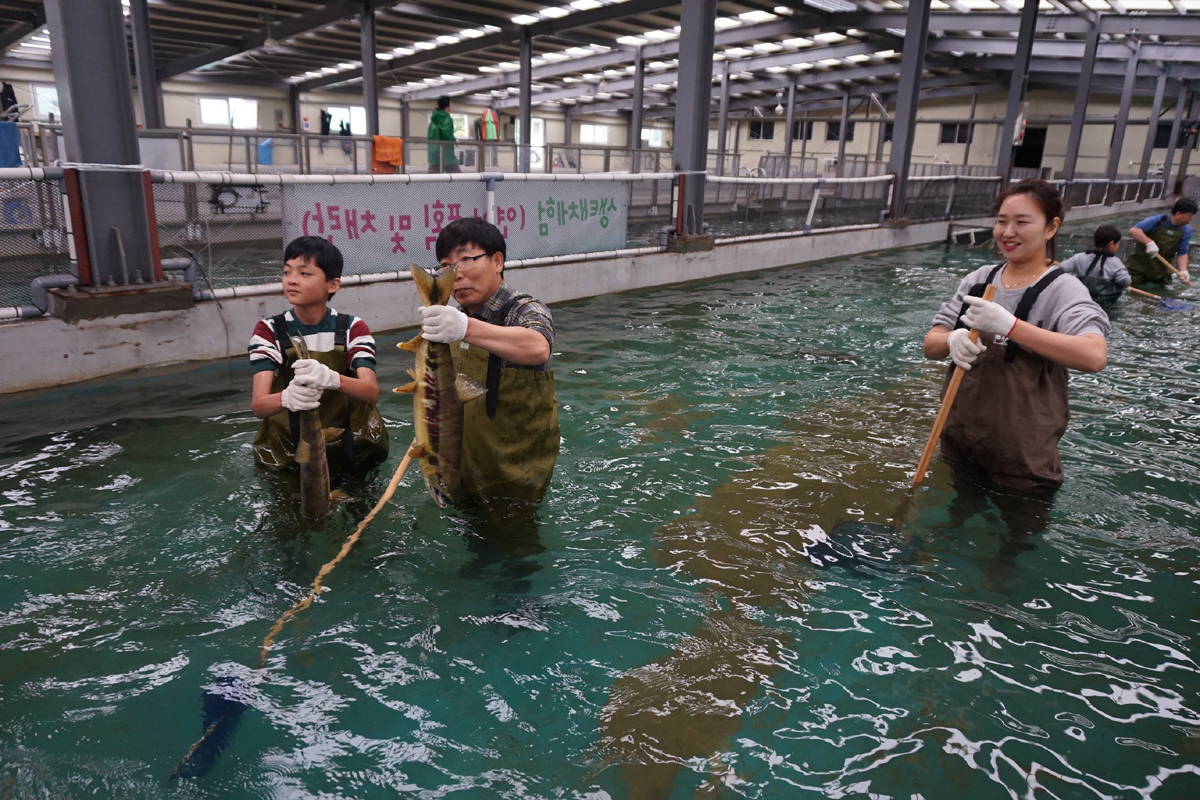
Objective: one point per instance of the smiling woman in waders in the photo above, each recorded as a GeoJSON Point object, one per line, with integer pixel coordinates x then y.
{"type": "Point", "coordinates": [1003, 430]}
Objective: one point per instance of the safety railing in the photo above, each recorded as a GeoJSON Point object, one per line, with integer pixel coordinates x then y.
{"type": "Point", "coordinates": [1084, 192]}
{"type": "Point", "coordinates": [769, 208]}
{"type": "Point", "coordinates": [954, 196]}
{"type": "Point", "coordinates": [584, 158]}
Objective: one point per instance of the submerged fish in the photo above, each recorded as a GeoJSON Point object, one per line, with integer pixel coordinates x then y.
{"type": "Point", "coordinates": [316, 497]}
{"type": "Point", "coordinates": [224, 704]}
{"type": "Point", "coordinates": [439, 392]}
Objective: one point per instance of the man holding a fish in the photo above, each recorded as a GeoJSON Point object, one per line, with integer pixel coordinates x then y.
{"type": "Point", "coordinates": [501, 340]}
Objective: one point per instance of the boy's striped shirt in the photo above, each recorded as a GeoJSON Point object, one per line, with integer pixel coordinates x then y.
{"type": "Point", "coordinates": [360, 345]}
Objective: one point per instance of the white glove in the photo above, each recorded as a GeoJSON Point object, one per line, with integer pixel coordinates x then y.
{"type": "Point", "coordinates": [314, 372]}
{"type": "Point", "coordinates": [1152, 248]}
{"type": "Point", "coordinates": [1184, 275]}
{"type": "Point", "coordinates": [988, 317]}
{"type": "Point", "coordinates": [300, 396]}
{"type": "Point", "coordinates": [443, 324]}
{"type": "Point", "coordinates": [963, 351]}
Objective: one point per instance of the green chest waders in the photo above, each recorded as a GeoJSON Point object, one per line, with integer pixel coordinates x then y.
{"type": "Point", "coordinates": [510, 436]}
{"type": "Point", "coordinates": [1143, 267]}
{"type": "Point", "coordinates": [365, 440]}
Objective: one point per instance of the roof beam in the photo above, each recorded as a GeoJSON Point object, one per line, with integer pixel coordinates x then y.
{"type": "Point", "coordinates": [789, 26]}
{"type": "Point", "coordinates": [1126, 24]}
{"type": "Point", "coordinates": [19, 30]}
{"type": "Point", "coordinates": [1070, 49]}
{"type": "Point", "coordinates": [547, 27]}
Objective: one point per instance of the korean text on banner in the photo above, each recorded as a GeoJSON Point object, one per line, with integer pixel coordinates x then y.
{"type": "Point", "coordinates": [540, 219]}
{"type": "Point", "coordinates": [380, 227]}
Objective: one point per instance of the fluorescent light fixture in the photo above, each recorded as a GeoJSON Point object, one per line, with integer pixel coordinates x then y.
{"type": "Point", "coordinates": [470, 33]}
{"type": "Point", "coordinates": [555, 56]}
{"type": "Point", "coordinates": [448, 39]}
{"type": "Point", "coordinates": [585, 5]}
{"type": "Point", "coordinates": [738, 52]}
{"type": "Point", "coordinates": [524, 19]}
{"type": "Point", "coordinates": [386, 56]}
{"type": "Point", "coordinates": [632, 41]}
{"type": "Point", "coordinates": [555, 12]}
{"type": "Point", "coordinates": [577, 51]}
{"type": "Point", "coordinates": [490, 69]}
{"type": "Point", "coordinates": [723, 23]}
{"type": "Point", "coordinates": [830, 62]}
{"type": "Point", "coordinates": [402, 51]}
{"type": "Point", "coordinates": [1100, 5]}
{"type": "Point", "coordinates": [885, 54]}
{"type": "Point", "coordinates": [798, 42]}
{"type": "Point", "coordinates": [348, 65]}
{"type": "Point", "coordinates": [661, 36]}
{"type": "Point", "coordinates": [425, 45]}
{"type": "Point", "coordinates": [328, 70]}
{"type": "Point", "coordinates": [767, 47]}
{"type": "Point", "coordinates": [757, 16]}
{"type": "Point", "coordinates": [830, 37]}
{"type": "Point", "coordinates": [858, 59]}
{"type": "Point", "coordinates": [776, 69]}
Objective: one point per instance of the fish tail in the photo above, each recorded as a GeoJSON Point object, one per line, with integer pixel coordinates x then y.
{"type": "Point", "coordinates": [425, 283]}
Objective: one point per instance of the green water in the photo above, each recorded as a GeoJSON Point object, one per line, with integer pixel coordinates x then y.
{"type": "Point", "coordinates": [656, 630]}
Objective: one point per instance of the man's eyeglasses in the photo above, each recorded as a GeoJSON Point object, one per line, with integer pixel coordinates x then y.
{"type": "Point", "coordinates": [464, 260]}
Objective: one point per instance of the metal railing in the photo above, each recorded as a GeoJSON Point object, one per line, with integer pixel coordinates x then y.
{"type": "Point", "coordinates": [767, 208]}
{"type": "Point", "coordinates": [952, 196]}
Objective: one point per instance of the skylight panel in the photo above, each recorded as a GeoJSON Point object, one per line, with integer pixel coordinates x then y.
{"type": "Point", "coordinates": [402, 51]}
{"type": "Point", "coordinates": [524, 19]}
{"type": "Point", "coordinates": [834, 5]}
{"type": "Point", "coordinates": [585, 5]}
{"type": "Point", "coordinates": [798, 42]}
{"type": "Point", "coordinates": [1147, 5]}
{"type": "Point", "coordinates": [578, 51]}
{"type": "Point", "coordinates": [555, 56]}
{"type": "Point", "coordinates": [555, 12]}
{"type": "Point", "coordinates": [660, 36]}
{"type": "Point", "coordinates": [776, 69]}
{"type": "Point", "coordinates": [757, 16]}
{"type": "Point", "coordinates": [767, 47]}
{"type": "Point", "coordinates": [1098, 5]}
{"type": "Point", "coordinates": [724, 23]}
{"type": "Point", "coordinates": [885, 54]}
{"type": "Point", "coordinates": [738, 52]}
{"type": "Point", "coordinates": [980, 5]}
{"type": "Point", "coordinates": [470, 33]}
{"type": "Point", "coordinates": [448, 39]}
{"type": "Point", "coordinates": [632, 41]}
{"type": "Point", "coordinates": [426, 45]}
{"type": "Point", "coordinates": [830, 37]}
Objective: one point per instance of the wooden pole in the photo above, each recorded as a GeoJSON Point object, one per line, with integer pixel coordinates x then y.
{"type": "Point", "coordinates": [1171, 267]}
{"type": "Point", "coordinates": [1144, 293]}
{"type": "Point", "coordinates": [947, 402]}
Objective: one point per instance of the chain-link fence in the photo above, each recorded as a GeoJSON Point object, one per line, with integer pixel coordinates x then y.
{"type": "Point", "coordinates": [950, 196]}
{"type": "Point", "coordinates": [33, 235]}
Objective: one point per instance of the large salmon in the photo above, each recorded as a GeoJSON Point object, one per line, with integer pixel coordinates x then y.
{"type": "Point", "coordinates": [438, 396]}
{"type": "Point", "coordinates": [316, 499]}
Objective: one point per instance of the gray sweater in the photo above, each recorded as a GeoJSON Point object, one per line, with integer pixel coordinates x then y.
{"type": "Point", "coordinates": [1113, 270]}
{"type": "Point", "coordinates": [1064, 307]}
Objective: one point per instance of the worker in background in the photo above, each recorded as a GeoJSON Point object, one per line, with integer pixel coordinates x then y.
{"type": "Point", "coordinates": [1165, 235]}
{"type": "Point", "coordinates": [1099, 269]}
{"type": "Point", "coordinates": [510, 437]}
{"type": "Point", "coordinates": [338, 378]}
{"type": "Point", "coordinates": [441, 129]}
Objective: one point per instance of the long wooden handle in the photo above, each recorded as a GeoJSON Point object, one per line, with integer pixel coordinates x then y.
{"type": "Point", "coordinates": [947, 401]}
{"type": "Point", "coordinates": [1171, 267]}
{"type": "Point", "coordinates": [1144, 293]}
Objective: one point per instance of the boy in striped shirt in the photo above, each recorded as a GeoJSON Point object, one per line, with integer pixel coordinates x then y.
{"type": "Point", "coordinates": [338, 378]}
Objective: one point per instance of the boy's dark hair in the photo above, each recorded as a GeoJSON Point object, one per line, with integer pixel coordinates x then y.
{"type": "Point", "coordinates": [1105, 235]}
{"type": "Point", "coordinates": [468, 231]}
{"type": "Point", "coordinates": [444, 102]}
{"type": "Point", "coordinates": [323, 253]}
{"type": "Point", "coordinates": [1185, 205]}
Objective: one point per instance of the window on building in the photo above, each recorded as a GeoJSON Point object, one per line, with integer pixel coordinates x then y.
{"type": "Point", "coordinates": [355, 116]}
{"type": "Point", "coordinates": [460, 125]}
{"type": "Point", "coordinates": [225, 112]}
{"type": "Point", "coordinates": [833, 131]}
{"type": "Point", "coordinates": [955, 133]}
{"type": "Point", "coordinates": [652, 137]}
{"type": "Point", "coordinates": [888, 129]}
{"type": "Point", "coordinates": [45, 101]}
{"type": "Point", "coordinates": [593, 134]}
{"type": "Point", "coordinates": [802, 130]}
{"type": "Point", "coordinates": [762, 129]}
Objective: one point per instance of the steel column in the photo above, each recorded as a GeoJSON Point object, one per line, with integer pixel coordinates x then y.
{"type": "Point", "coordinates": [91, 71]}
{"type": "Point", "coordinates": [568, 121]}
{"type": "Point", "coordinates": [635, 118]}
{"type": "Point", "coordinates": [525, 108]}
{"type": "Point", "coordinates": [370, 67]}
{"type": "Point", "coordinates": [912, 64]}
{"type": "Point", "coordinates": [1152, 127]}
{"type": "Point", "coordinates": [1016, 88]}
{"type": "Point", "coordinates": [149, 90]}
{"type": "Point", "coordinates": [1176, 124]}
{"type": "Point", "coordinates": [692, 109]}
{"type": "Point", "coordinates": [404, 120]}
{"type": "Point", "coordinates": [1081, 101]}
{"type": "Point", "coordinates": [883, 130]}
{"type": "Point", "coordinates": [845, 124]}
{"type": "Point", "coordinates": [1118, 138]}
{"type": "Point", "coordinates": [1189, 141]}
{"type": "Point", "coordinates": [970, 131]}
{"type": "Point", "coordinates": [723, 119]}
{"type": "Point", "coordinates": [790, 138]}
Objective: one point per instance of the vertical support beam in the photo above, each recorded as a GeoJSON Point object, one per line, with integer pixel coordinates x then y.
{"type": "Point", "coordinates": [1081, 101]}
{"type": "Point", "coordinates": [692, 109]}
{"type": "Point", "coordinates": [1118, 139]}
{"type": "Point", "coordinates": [526, 100]}
{"type": "Point", "coordinates": [91, 71]}
{"type": "Point", "coordinates": [1160, 89]}
{"type": "Point", "coordinates": [297, 124]}
{"type": "Point", "coordinates": [370, 67]}
{"type": "Point", "coordinates": [970, 131]}
{"type": "Point", "coordinates": [912, 64]}
{"type": "Point", "coordinates": [1189, 141]}
{"type": "Point", "coordinates": [842, 130]}
{"type": "Point", "coordinates": [881, 141]}
{"type": "Point", "coordinates": [1016, 87]}
{"type": "Point", "coordinates": [723, 120]}
{"type": "Point", "coordinates": [568, 123]}
{"type": "Point", "coordinates": [805, 127]}
{"type": "Point", "coordinates": [404, 120]}
{"type": "Point", "coordinates": [149, 90]}
{"type": "Point", "coordinates": [1176, 124]}
{"type": "Point", "coordinates": [635, 118]}
{"type": "Point", "coordinates": [790, 138]}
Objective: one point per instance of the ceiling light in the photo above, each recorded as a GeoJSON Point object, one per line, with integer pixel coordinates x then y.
{"type": "Point", "coordinates": [577, 51]}
{"type": "Point", "coordinates": [525, 19]}
{"type": "Point", "coordinates": [425, 45]}
{"type": "Point", "coordinates": [830, 62]}
{"type": "Point", "coordinates": [270, 45]}
{"type": "Point", "coordinates": [554, 12]}
{"type": "Point", "coordinates": [798, 42]}
{"type": "Point", "coordinates": [830, 36]}
{"type": "Point", "coordinates": [585, 5]}
{"type": "Point", "coordinates": [402, 51]}
{"type": "Point", "coordinates": [738, 52]}
{"type": "Point", "coordinates": [723, 23]}
{"type": "Point", "coordinates": [767, 47]}
{"type": "Point", "coordinates": [448, 39]}
{"type": "Point", "coordinates": [631, 41]}
{"type": "Point", "coordinates": [757, 16]}
{"type": "Point", "coordinates": [779, 102]}
{"type": "Point", "coordinates": [386, 56]}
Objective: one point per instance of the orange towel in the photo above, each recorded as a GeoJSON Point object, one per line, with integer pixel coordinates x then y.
{"type": "Point", "coordinates": [387, 153]}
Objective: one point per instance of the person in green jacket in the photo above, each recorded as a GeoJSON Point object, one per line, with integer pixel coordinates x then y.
{"type": "Point", "coordinates": [441, 129]}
